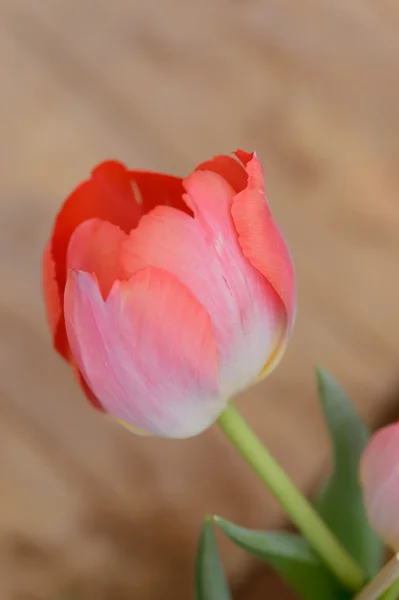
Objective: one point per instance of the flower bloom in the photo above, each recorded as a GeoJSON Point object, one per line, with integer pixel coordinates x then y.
{"type": "Point", "coordinates": [379, 473]}
{"type": "Point", "coordinates": [168, 296]}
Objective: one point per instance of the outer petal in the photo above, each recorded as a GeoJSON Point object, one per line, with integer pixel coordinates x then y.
{"type": "Point", "coordinates": [379, 474]}
{"type": "Point", "coordinates": [260, 238]}
{"type": "Point", "coordinates": [53, 310]}
{"type": "Point", "coordinates": [246, 313]}
{"type": "Point", "coordinates": [95, 248]}
{"type": "Point", "coordinates": [92, 398]}
{"type": "Point", "coordinates": [147, 352]}
{"type": "Point", "coordinates": [50, 289]}
{"type": "Point", "coordinates": [264, 246]}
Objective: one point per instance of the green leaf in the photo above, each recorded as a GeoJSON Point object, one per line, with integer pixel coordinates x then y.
{"type": "Point", "coordinates": [341, 503]}
{"type": "Point", "coordinates": [210, 580]}
{"type": "Point", "coordinates": [291, 556]}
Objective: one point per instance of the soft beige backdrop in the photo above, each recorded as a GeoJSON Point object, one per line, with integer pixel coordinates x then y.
{"type": "Point", "coordinates": [86, 508]}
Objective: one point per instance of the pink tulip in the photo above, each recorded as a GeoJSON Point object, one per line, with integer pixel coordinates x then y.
{"type": "Point", "coordinates": [380, 479]}
{"type": "Point", "coordinates": [168, 296]}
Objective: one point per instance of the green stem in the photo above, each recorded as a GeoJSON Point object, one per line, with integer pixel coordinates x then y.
{"type": "Point", "coordinates": [302, 514]}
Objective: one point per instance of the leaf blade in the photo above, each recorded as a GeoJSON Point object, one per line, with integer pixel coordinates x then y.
{"type": "Point", "coordinates": [291, 556]}
{"type": "Point", "coordinates": [210, 580]}
{"type": "Point", "coordinates": [341, 502]}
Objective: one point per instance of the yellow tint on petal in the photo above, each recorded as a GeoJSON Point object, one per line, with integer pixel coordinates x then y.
{"type": "Point", "coordinates": [133, 429]}
{"type": "Point", "coordinates": [274, 358]}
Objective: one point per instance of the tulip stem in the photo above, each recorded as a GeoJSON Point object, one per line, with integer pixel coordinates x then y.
{"type": "Point", "coordinates": [300, 511]}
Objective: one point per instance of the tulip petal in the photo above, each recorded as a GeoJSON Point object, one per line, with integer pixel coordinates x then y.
{"type": "Point", "coordinates": [94, 401]}
{"type": "Point", "coordinates": [379, 474]}
{"type": "Point", "coordinates": [108, 195]}
{"type": "Point", "coordinates": [50, 290]}
{"type": "Point", "coordinates": [53, 310]}
{"type": "Point", "coordinates": [147, 352]}
{"type": "Point", "coordinates": [230, 168]}
{"type": "Point", "coordinates": [95, 248]}
{"type": "Point", "coordinates": [261, 240]}
{"type": "Point", "coordinates": [244, 157]}
{"type": "Point", "coordinates": [247, 315]}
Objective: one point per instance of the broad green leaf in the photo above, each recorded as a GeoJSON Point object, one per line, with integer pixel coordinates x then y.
{"type": "Point", "coordinates": [341, 503]}
{"type": "Point", "coordinates": [210, 580]}
{"type": "Point", "coordinates": [291, 556]}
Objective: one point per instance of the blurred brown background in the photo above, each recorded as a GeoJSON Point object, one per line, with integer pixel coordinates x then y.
{"type": "Point", "coordinates": [86, 508]}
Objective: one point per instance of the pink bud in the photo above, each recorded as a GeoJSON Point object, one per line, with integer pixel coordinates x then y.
{"type": "Point", "coordinates": [379, 472]}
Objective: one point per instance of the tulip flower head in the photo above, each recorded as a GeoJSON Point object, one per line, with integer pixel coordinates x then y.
{"type": "Point", "coordinates": [169, 296]}
{"type": "Point", "coordinates": [380, 480]}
